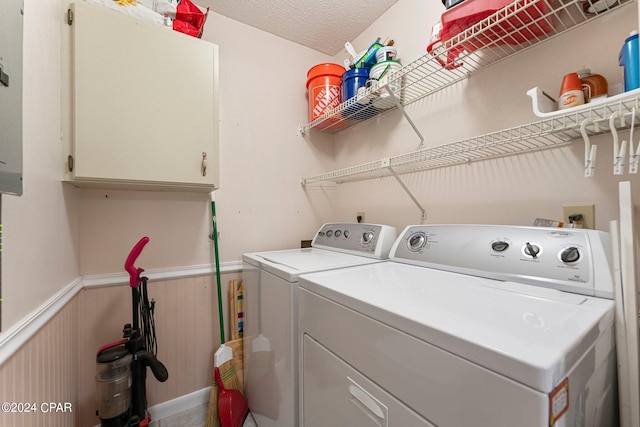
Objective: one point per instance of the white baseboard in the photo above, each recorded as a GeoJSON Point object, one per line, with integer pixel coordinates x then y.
{"type": "Point", "coordinates": [180, 404]}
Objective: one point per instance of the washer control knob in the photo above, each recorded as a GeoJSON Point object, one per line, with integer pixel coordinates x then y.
{"type": "Point", "coordinates": [416, 241]}
{"type": "Point", "coordinates": [338, 233]}
{"type": "Point", "coordinates": [367, 237]}
{"type": "Point", "coordinates": [532, 250]}
{"type": "Point", "coordinates": [500, 246]}
{"type": "Point", "coordinates": [346, 234]}
{"type": "Point", "coordinates": [329, 233]}
{"type": "Point", "coordinates": [571, 254]}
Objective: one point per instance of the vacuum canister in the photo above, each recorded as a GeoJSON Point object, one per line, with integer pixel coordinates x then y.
{"type": "Point", "coordinates": [113, 383]}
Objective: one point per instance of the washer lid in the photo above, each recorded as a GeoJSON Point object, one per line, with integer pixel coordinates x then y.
{"type": "Point", "coordinates": [530, 334]}
{"type": "Point", "coordinates": [291, 263]}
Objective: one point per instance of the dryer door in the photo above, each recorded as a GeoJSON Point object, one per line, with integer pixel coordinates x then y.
{"type": "Point", "coordinates": [335, 394]}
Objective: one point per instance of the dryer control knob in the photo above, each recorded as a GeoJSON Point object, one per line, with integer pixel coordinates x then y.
{"type": "Point", "coordinates": [367, 237]}
{"type": "Point", "coordinates": [500, 246]}
{"type": "Point", "coordinates": [571, 254]}
{"type": "Point", "coordinates": [532, 250]}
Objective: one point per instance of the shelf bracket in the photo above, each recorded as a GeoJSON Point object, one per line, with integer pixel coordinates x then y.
{"type": "Point", "coordinates": [396, 101]}
{"type": "Point", "coordinates": [423, 212]}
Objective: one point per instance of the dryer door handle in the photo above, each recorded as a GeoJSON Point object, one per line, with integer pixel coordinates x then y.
{"type": "Point", "coordinates": [373, 405]}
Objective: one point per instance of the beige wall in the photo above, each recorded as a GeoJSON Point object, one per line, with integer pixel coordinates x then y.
{"type": "Point", "coordinates": [39, 233]}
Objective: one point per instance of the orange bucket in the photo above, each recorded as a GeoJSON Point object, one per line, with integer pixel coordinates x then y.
{"type": "Point", "coordinates": [323, 84]}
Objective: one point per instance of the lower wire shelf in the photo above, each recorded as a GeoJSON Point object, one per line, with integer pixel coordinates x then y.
{"type": "Point", "coordinates": [545, 134]}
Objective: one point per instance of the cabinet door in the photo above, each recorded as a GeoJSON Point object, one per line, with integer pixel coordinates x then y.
{"type": "Point", "coordinates": [144, 102]}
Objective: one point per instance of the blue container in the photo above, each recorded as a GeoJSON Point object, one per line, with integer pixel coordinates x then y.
{"type": "Point", "coordinates": [351, 80]}
{"type": "Point", "coordinates": [629, 60]}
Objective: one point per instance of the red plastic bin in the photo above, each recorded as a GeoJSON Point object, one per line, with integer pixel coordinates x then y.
{"type": "Point", "coordinates": [510, 28]}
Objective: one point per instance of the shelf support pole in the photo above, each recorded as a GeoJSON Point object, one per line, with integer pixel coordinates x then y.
{"type": "Point", "coordinates": [404, 113]}
{"type": "Point", "coordinates": [423, 212]}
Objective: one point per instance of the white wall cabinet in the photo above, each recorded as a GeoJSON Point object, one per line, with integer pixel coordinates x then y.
{"type": "Point", "coordinates": [139, 104]}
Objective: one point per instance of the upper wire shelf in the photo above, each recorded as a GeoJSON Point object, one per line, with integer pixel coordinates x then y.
{"type": "Point", "coordinates": [510, 30]}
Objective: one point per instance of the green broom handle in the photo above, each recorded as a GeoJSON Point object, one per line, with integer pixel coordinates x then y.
{"type": "Point", "coordinates": [215, 246]}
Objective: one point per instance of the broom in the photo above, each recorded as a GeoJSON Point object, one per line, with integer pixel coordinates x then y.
{"type": "Point", "coordinates": [223, 357]}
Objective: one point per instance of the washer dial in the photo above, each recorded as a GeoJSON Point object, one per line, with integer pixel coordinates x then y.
{"type": "Point", "coordinates": [416, 241]}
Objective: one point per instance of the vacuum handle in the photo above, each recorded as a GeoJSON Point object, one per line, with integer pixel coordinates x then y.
{"type": "Point", "coordinates": [157, 367]}
{"type": "Point", "coordinates": [134, 273]}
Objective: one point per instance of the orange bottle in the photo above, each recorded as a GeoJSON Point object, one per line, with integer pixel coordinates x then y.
{"type": "Point", "coordinates": [571, 94]}
{"type": "Point", "coordinates": [593, 85]}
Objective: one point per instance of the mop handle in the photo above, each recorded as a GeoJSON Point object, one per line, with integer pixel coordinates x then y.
{"type": "Point", "coordinates": [134, 273]}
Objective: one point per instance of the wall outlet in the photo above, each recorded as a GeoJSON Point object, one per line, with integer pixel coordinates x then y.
{"type": "Point", "coordinates": [588, 213]}
{"type": "Point", "coordinates": [359, 216]}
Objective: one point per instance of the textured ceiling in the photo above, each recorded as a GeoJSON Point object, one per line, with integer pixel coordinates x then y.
{"type": "Point", "coordinates": [323, 25]}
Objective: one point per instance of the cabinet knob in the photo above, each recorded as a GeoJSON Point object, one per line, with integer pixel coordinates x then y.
{"type": "Point", "coordinates": [204, 163]}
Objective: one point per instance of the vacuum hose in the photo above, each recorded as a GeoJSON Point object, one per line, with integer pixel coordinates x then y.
{"type": "Point", "coordinates": [157, 367]}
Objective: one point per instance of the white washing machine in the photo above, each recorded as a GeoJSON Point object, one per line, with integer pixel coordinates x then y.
{"type": "Point", "coordinates": [270, 311]}
{"type": "Point", "coordinates": [483, 326]}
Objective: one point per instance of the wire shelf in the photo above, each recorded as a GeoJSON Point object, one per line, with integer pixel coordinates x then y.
{"type": "Point", "coordinates": [513, 29]}
{"type": "Point", "coordinates": [548, 133]}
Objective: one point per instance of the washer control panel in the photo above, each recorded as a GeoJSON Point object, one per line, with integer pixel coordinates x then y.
{"type": "Point", "coordinates": [372, 240]}
{"type": "Point", "coordinates": [574, 260]}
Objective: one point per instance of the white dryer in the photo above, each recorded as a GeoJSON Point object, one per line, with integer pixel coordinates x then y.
{"type": "Point", "coordinates": [483, 326]}
{"type": "Point", "coordinates": [270, 311]}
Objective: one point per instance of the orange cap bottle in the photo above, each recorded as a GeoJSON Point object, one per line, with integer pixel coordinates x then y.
{"type": "Point", "coordinates": [571, 94]}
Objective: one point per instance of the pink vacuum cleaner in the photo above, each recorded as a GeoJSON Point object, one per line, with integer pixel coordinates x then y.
{"type": "Point", "coordinates": [121, 366]}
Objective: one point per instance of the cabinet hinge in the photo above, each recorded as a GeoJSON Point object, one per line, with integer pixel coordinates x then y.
{"type": "Point", "coordinates": [69, 16]}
